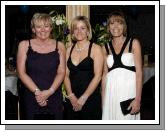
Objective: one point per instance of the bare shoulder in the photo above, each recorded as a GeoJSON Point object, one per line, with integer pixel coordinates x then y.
{"type": "Point", "coordinates": [104, 50]}
{"type": "Point", "coordinates": [136, 45]}
{"type": "Point", "coordinates": [96, 47]}
{"type": "Point", "coordinates": [61, 45]}
{"type": "Point", "coordinates": [136, 42]}
{"type": "Point", "coordinates": [23, 45]}
{"type": "Point", "coordinates": [69, 46]}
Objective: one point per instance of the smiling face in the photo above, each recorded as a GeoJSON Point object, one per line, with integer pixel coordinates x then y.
{"type": "Point", "coordinates": [117, 25]}
{"type": "Point", "coordinates": [80, 31]}
{"type": "Point", "coordinates": [42, 29]}
{"type": "Point", "coordinates": [41, 25]}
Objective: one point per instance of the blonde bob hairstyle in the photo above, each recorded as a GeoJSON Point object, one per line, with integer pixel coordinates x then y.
{"type": "Point", "coordinates": [37, 17]}
{"type": "Point", "coordinates": [74, 22]}
{"type": "Point", "coordinates": [119, 17]}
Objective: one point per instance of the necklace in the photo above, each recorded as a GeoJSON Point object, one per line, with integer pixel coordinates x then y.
{"type": "Point", "coordinates": [80, 49]}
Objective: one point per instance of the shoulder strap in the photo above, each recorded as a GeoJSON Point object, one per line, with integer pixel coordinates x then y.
{"type": "Point", "coordinates": [106, 47]}
{"type": "Point", "coordinates": [29, 43]}
{"type": "Point", "coordinates": [72, 48]}
{"type": "Point", "coordinates": [124, 45]}
{"type": "Point", "coordinates": [90, 47]}
{"type": "Point", "coordinates": [111, 47]}
{"type": "Point", "coordinates": [56, 44]}
{"type": "Point", "coordinates": [130, 45]}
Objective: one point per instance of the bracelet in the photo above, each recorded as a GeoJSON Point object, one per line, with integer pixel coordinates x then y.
{"type": "Point", "coordinates": [84, 98]}
{"type": "Point", "coordinates": [70, 95]}
{"type": "Point", "coordinates": [52, 90]}
{"type": "Point", "coordinates": [36, 90]}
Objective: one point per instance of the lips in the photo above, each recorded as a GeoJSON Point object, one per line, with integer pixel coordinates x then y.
{"type": "Point", "coordinates": [115, 30]}
{"type": "Point", "coordinates": [79, 35]}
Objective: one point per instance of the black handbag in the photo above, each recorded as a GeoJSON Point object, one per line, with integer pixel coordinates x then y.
{"type": "Point", "coordinates": [124, 106]}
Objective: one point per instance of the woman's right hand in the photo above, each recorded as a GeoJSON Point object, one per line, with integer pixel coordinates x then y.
{"type": "Point", "coordinates": [41, 102]}
{"type": "Point", "coordinates": [73, 99]}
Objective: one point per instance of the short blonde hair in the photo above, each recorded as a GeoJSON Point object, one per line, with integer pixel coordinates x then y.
{"type": "Point", "coordinates": [85, 20]}
{"type": "Point", "coordinates": [119, 17]}
{"type": "Point", "coordinates": [41, 17]}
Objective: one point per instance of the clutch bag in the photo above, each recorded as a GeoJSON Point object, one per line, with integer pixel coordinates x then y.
{"type": "Point", "coordinates": [124, 106]}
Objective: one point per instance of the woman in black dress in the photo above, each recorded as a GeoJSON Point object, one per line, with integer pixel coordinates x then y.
{"type": "Point", "coordinates": [83, 73]}
{"type": "Point", "coordinates": [41, 68]}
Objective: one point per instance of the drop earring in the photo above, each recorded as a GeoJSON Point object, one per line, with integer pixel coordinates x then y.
{"type": "Point", "coordinates": [87, 35]}
{"type": "Point", "coordinates": [73, 36]}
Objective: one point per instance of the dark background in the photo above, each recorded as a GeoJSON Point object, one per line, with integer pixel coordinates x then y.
{"type": "Point", "coordinates": [17, 23]}
{"type": "Point", "coordinates": [140, 18]}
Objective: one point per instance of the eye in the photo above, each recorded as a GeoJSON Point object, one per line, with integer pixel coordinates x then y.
{"type": "Point", "coordinates": [47, 26]}
{"type": "Point", "coordinates": [37, 26]}
{"type": "Point", "coordinates": [111, 22]}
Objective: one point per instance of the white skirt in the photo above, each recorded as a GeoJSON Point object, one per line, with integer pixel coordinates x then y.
{"type": "Point", "coordinates": [120, 86]}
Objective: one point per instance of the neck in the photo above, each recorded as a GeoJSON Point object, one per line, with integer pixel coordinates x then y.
{"type": "Point", "coordinates": [42, 41]}
{"type": "Point", "coordinates": [82, 43]}
{"type": "Point", "coordinates": [80, 46]}
{"type": "Point", "coordinates": [118, 40]}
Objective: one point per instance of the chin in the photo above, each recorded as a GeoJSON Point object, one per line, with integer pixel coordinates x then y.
{"type": "Point", "coordinates": [117, 35]}
{"type": "Point", "coordinates": [80, 39]}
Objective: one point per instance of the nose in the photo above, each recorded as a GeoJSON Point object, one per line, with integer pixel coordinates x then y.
{"type": "Point", "coordinates": [79, 30]}
{"type": "Point", "coordinates": [43, 29]}
{"type": "Point", "coordinates": [116, 24]}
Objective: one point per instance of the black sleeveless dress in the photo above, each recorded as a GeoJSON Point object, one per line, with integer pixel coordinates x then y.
{"type": "Point", "coordinates": [80, 77]}
{"type": "Point", "coordinates": [42, 68]}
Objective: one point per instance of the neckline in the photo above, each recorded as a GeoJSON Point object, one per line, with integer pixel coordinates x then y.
{"type": "Point", "coordinates": [88, 54]}
{"type": "Point", "coordinates": [122, 48]}
{"type": "Point", "coordinates": [47, 53]}
{"type": "Point", "coordinates": [124, 53]}
{"type": "Point", "coordinates": [81, 49]}
{"type": "Point", "coordinates": [88, 57]}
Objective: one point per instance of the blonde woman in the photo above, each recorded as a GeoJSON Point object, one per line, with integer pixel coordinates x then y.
{"type": "Point", "coordinates": [83, 73]}
{"type": "Point", "coordinates": [41, 68]}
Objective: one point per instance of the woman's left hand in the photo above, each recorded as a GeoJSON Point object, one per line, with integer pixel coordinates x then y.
{"type": "Point", "coordinates": [42, 96]}
{"type": "Point", "coordinates": [135, 105]}
{"type": "Point", "coordinates": [81, 101]}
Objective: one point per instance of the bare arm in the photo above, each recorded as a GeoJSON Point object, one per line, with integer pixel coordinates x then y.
{"type": "Point", "coordinates": [105, 71]}
{"type": "Point", "coordinates": [67, 80]}
{"type": "Point", "coordinates": [98, 66]}
{"type": "Point", "coordinates": [61, 68]}
{"type": "Point", "coordinates": [136, 48]}
{"type": "Point", "coordinates": [139, 71]}
{"type": "Point", "coordinates": [21, 60]}
{"type": "Point", "coordinates": [138, 65]}
{"type": "Point", "coordinates": [73, 99]}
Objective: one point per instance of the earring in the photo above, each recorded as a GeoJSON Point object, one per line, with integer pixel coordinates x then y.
{"type": "Point", "coordinates": [73, 36]}
{"type": "Point", "coordinates": [87, 34]}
